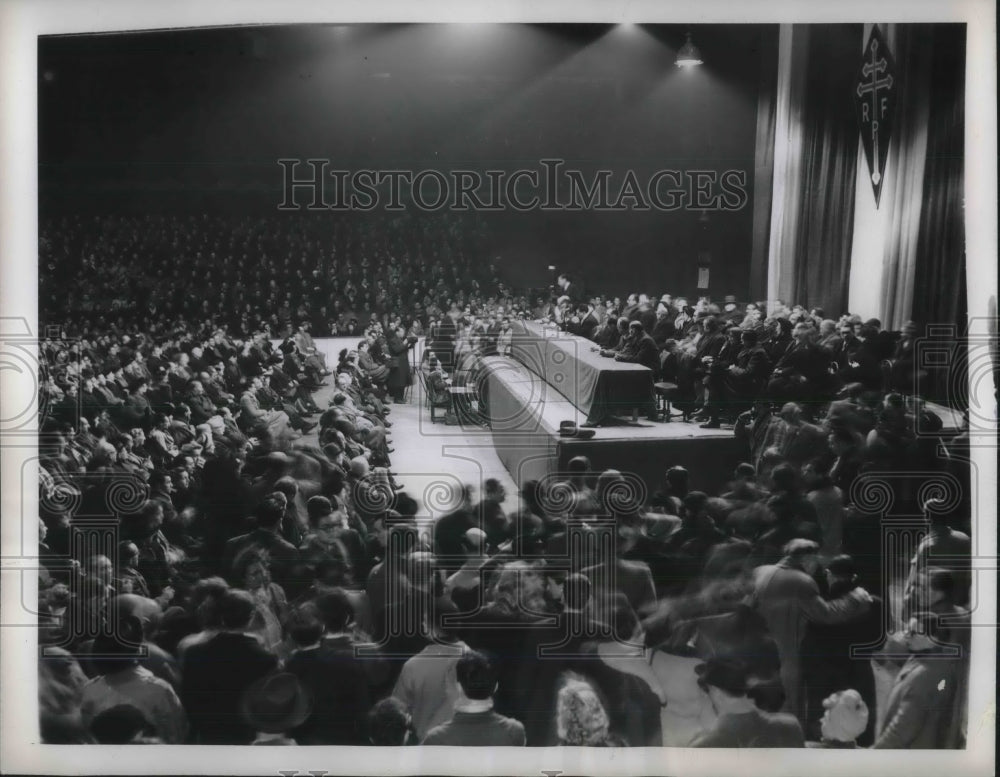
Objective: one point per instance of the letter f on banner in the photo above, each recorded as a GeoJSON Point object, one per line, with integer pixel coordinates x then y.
{"type": "Point", "coordinates": [875, 103]}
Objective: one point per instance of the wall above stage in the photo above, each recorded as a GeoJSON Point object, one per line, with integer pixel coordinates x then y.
{"type": "Point", "coordinates": [196, 120]}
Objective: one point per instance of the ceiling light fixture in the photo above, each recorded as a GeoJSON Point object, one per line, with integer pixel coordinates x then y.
{"type": "Point", "coordinates": [688, 56]}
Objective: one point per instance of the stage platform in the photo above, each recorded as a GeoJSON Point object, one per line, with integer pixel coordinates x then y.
{"type": "Point", "coordinates": [526, 414]}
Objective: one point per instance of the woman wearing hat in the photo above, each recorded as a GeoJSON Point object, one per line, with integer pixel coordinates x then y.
{"type": "Point", "coordinates": [581, 719]}
{"type": "Point", "coordinates": [845, 718]}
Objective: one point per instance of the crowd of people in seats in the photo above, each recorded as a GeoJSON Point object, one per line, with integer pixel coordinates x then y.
{"type": "Point", "coordinates": [334, 270]}
{"type": "Point", "coordinates": [721, 358]}
{"type": "Point", "coordinates": [209, 574]}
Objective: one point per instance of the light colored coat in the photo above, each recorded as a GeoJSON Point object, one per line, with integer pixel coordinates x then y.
{"type": "Point", "coordinates": [789, 599]}
{"type": "Point", "coordinates": [920, 706]}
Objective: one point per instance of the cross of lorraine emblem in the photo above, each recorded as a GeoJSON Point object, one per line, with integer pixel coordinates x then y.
{"type": "Point", "coordinates": [875, 102]}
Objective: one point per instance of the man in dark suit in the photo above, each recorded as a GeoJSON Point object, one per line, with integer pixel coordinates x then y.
{"type": "Point", "coordinates": [663, 329]}
{"type": "Point", "coordinates": [632, 579]}
{"type": "Point", "coordinates": [584, 322]}
{"type": "Point", "coordinates": [827, 663]}
{"type": "Point", "coordinates": [334, 675]}
{"type": "Point", "coordinates": [802, 373]}
{"type": "Point", "coordinates": [217, 672]}
{"type": "Point", "coordinates": [639, 348]}
{"type": "Point", "coordinates": [570, 288]}
{"type": "Point", "coordinates": [267, 536]}
{"type": "Point", "coordinates": [734, 383]}
{"type": "Point", "coordinates": [136, 411]}
{"type": "Point", "coordinates": [631, 309]}
{"type": "Point", "coordinates": [437, 384]}
{"type": "Point", "coordinates": [863, 364]}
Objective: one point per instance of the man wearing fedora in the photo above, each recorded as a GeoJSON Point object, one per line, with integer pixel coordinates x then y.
{"type": "Point", "coordinates": [730, 312]}
{"type": "Point", "coordinates": [218, 672]}
{"type": "Point", "coordinates": [328, 665]}
{"type": "Point", "coordinates": [273, 706]}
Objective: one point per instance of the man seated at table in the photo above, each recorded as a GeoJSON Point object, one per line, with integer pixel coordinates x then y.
{"type": "Point", "coordinates": [733, 384]}
{"type": "Point", "coordinates": [504, 337]}
{"type": "Point", "coordinates": [619, 344]}
{"type": "Point", "coordinates": [437, 385]}
{"type": "Point", "coordinates": [801, 374]}
{"type": "Point", "coordinates": [639, 348]}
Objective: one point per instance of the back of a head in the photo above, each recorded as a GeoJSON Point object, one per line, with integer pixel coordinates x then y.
{"type": "Point", "coordinates": [474, 541]}
{"type": "Point", "coordinates": [678, 478]}
{"type": "Point", "coordinates": [845, 717]}
{"type": "Point", "coordinates": [694, 503]}
{"type": "Point", "coordinates": [317, 507]}
{"type": "Point", "coordinates": [799, 548]}
{"type": "Point", "coordinates": [581, 719]}
{"type": "Point", "coordinates": [359, 467]}
{"type": "Point", "coordinates": [529, 533]}
{"type": "Point", "coordinates": [118, 725]}
{"type": "Point", "coordinates": [606, 479]}
{"type": "Point", "coordinates": [288, 486]}
{"type": "Point", "coordinates": [120, 650]}
{"type": "Point", "coordinates": [147, 612]}
{"type": "Point", "coordinates": [271, 510]}
{"type": "Point", "coordinates": [785, 477]}
{"type": "Point", "coordinates": [207, 595]}
{"type": "Point", "coordinates": [842, 566]}
{"type": "Point", "coordinates": [942, 581]}
{"type": "Point", "coordinates": [492, 488]}
{"type": "Point", "coordinates": [335, 609]}
{"type": "Point", "coordinates": [236, 609]}
{"type": "Point", "coordinates": [476, 675]}
{"type": "Point", "coordinates": [304, 625]}
{"type": "Point", "coordinates": [388, 723]}
{"type": "Point", "coordinates": [726, 674]}
{"type": "Point", "coordinates": [420, 568]}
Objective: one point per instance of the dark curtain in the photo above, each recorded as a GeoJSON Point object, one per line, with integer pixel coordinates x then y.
{"type": "Point", "coordinates": [830, 149]}
{"type": "Point", "coordinates": [763, 179]}
{"type": "Point", "coordinates": [939, 292]}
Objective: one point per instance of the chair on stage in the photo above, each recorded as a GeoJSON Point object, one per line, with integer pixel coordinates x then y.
{"type": "Point", "coordinates": [434, 404]}
{"type": "Point", "coordinates": [665, 392]}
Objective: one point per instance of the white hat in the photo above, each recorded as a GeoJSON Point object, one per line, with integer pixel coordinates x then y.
{"type": "Point", "coordinates": [846, 717]}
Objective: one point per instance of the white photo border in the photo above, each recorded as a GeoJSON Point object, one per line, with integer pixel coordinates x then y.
{"type": "Point", "coordinates": [22, 21]}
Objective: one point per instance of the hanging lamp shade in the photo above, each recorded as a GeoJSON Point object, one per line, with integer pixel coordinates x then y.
{"type": "Point", "coordinates": [688, 56]}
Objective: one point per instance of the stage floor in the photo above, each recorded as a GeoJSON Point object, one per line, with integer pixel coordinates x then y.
{"type": "Point", "coordinates": [550, 408]}
{"type": "Point", "coordinates": [526, 414]}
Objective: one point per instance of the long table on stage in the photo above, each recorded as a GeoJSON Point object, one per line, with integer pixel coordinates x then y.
{"type": "Point", "coordinates": [597, 385]}
{"type": "Point", "coordinates": [526, 412]}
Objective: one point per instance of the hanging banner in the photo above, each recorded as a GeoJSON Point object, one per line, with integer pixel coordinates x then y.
{"type": "Point", "coordinates": [875, 102]}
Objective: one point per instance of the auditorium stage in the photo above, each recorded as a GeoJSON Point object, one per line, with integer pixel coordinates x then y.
{"type": "Point", "coordinates": [526, 414]}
